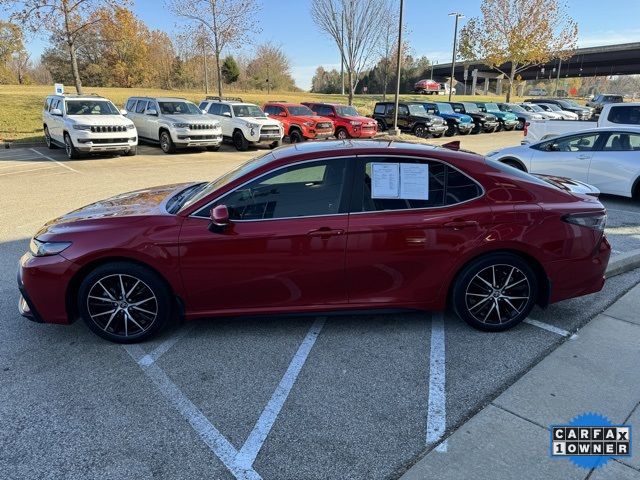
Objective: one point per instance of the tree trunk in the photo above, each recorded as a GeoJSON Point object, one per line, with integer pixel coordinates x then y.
{"type": "Point", "coordinates": [74, 67]}
{"type": "Point", "coordinates": [512, 76]}
{"type": "Point", "coordinates": [351, 86]}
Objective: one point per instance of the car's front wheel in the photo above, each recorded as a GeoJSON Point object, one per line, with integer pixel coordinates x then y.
{"type": "Point", "coordinates": [495, 292]}
{"type": "Point", "coordinates": [124, 302]}
{"type": "Point", "coordinates": [342, 134]}
{"type": "Point", "coordinates": [420, 131]}
{"type": "Point", "coordinates": [295, 136]}
{"type": "Point", "coordinates": [240, 142]}
{"type": "Point", "coordinates": [166, 143]}
{"type": "Point", "coordinates": [72, 152]}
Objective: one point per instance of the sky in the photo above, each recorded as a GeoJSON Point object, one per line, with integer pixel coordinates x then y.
{"type": "Point", "coordinates": [288, 24]}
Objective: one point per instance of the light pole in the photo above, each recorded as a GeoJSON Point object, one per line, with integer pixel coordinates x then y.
{"type": "Point", "coordinates": [396, 130]}
{"type": "Point", "coordinates": [432, 70]}
{"type": "Point", "coordinates": [453, 57]}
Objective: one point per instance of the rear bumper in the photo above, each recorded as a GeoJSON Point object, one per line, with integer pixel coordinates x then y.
{"type": "Point", "coordinates": [43, 283]}
{"type": "Point", "coordinates": [576, 277]}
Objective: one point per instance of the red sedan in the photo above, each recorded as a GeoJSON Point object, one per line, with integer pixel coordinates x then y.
{"type": "Point", "coordinates": [354, 225]}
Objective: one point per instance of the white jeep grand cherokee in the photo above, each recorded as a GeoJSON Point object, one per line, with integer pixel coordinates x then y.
{"type": "Point", "coordinates": [244, 123]}
{"type": "Point", "coordinates": [85, 124]}
{"type": "Point", "coordinates": [173, 123]}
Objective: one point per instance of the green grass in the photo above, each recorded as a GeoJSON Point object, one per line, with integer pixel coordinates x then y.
{"type": "Point", "coordinates": [21, 106]}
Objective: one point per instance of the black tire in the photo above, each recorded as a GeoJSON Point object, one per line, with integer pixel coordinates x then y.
{"type": "Point", "coordinates": [520, 125]}
{"type": "Point", "coordinates": [342, 134]}
{"type": "Point", "coordinates": [420, 131]}
{"type": "Point", "coordinates": [131, 152]}
{"type": "Point", "coordinates": [70, 149]}
{"type": "Point", "coordinates": [275, 144]}
{"type": "Point", "coordinates": [109, 318]}
{"type": "Point", "coordinates": [514, 164]}
{"type": "Point", "coordinates": [477, 128]}
{"type": "Point", "coordinates": [241, 143]}
{"type": "Point", "coordinates": [213, 148]}
{"type": "Point", "coordinates": [47, 139]}
{"type": "Point", "coordinates": [452, 130]}
{"type": "Point", "coordinates": [295, 136]}
{"type": "Point", "coordinates": [382, 125]}
{"type": "Point", "coordinates": [500, 127]}
{"type": "Point", "coordinates": [166, 143]}
{"type": "Point", "coordinates": [476, 295]}
{"type": "Point", "coordinates": [438, 135]}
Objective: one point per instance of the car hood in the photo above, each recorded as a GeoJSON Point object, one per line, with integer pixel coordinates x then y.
{"type": "Point", "coordinates": [198, 119]}
{"type": "Point", "coordinates": [131, 204]}
{"type": "Point", "coordinates": [460, 116]}
{"type": "Point", "coordinates": [503, 115]}
{"type": "Point", "coordinates": [364, 120]}
{"type": "Point", "coordinates": [260, 120]}
{"type": "Point", "coordinates": [310, 118]}
{"type": "Point", "coordinates": [570, 185]}
{"type": "Point", "coordinates": [99, 120]}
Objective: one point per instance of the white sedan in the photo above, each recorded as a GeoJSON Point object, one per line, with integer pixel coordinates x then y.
{"type": "Point", "coordinates": [550, 107]}
{"type": "Point", "coordinates": [608, 158]}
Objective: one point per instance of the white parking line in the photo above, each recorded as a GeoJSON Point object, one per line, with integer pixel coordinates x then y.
{"type": "Point", "coordinates": [163, 348]}
{"type": "Point", "coordinates": [258, 435]}
{"type": "Point", "coordinates": [53, 160]}
{"type": "Point", "coordinates": [238, 462]}
{"type": "Point", "coordinates": [550, 328]}
{"type": "Point", "coordinates": [436, 409]}
{"type": "Point", "coordinates": [25, 171]}
{"type": "Point", "coordinates": [219, 445]}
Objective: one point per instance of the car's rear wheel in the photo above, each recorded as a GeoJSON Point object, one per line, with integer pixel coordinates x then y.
{"type": "Point", "coordinates": [495, 292]}
{"type": "Point", "coordinates": [72, 152]}
{"type": "Point", "coordinates": [166, 144]}
{"type": "Point", "coordinates": [124, 302]}
{"type": "Point", "coordinates": [47, 139]}
{"type": "Point", "coordinates": [342, 134]}
{"type": "Point", "coordinates": [241, 143]}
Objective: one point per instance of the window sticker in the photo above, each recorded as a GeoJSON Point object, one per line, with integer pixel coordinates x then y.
{"type": "Point", "coordinates": [414, 181]}
{"type": "Point", "coordinates": [407, 181]}
{"type": "Point", "coordinates": [385, 182]}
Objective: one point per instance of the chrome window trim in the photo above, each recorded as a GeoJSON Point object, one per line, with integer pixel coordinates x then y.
{"type": "Point", "coordinates": [209, 205]}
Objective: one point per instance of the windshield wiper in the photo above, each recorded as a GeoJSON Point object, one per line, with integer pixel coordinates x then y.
{"type": "Point", "coordinates": [175, 203]}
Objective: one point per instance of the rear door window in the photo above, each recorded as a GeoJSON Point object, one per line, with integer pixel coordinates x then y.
{"type": "Point", "coordinates": [141, 106]}
{"type": "Point", "coordinates": [214, 108]}
{"type": "Point", "coordinates": [130, 104]}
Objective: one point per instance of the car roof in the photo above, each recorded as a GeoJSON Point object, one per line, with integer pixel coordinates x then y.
{"type": "Point", "coordinates": [161, 99]}
{"type": "Point", "coordinates": [284, 104]}
{"type": "Point", "coordinates": [78, 97]}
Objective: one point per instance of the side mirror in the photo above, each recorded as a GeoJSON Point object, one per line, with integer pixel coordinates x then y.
{"type": "Point", "coordinates": [123, 112]}
{"type": "Point", "coordinates": [282, 114]}
{"type": "Point", "coordinates": [219, 218]}
{"type": "Point", "coordinates": [153, 112]}
{"type": "Point", "coordinates": [226, 114]}
{"type": "Point", "coordinates": [56, 111]}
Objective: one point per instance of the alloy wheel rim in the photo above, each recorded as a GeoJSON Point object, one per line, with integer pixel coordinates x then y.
{"type": "Point", "coordinates": [420, 131]}
{"type": "Point", "coordinates": [497, 294]}
{"type": "Point", "coordinates": [122, 305]}
{"type": "Point", "coordinates": [47, 137]}
{"type": "Point", "coordinates": [67, 146]}
{"type": "Point", "coordinates": [163, 142]}
{"type": "Point", "coordinates": [342, 135]}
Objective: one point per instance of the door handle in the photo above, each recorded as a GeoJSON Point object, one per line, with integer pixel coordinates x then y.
{"type": "Point", "coordinates": [458, 224]}
{"type": "Point", "coordinates": [584, 156]}
{"type": "Point", "coordinates": [325, 232]}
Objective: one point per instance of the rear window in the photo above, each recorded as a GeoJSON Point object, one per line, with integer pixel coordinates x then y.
{"type": "Point", "coordinates": [625, 114]}
{"type": "Point", "coordinates": [517, 173]}
{"type": "Point", "coordinates": [613, 98]}
{"type": "Point", "coordinates": [379, 109]}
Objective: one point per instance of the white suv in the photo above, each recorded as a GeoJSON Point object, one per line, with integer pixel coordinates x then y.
{"type": "Point", "coordinates": [85, 124]}
{"type": "Point", "coordinates": [173, 123]}
{"type": "Point", "coordinates": [244, 123]}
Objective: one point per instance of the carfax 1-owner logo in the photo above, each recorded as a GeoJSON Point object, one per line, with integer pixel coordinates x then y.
{"type": "Point", "coordinates": [590, 440]}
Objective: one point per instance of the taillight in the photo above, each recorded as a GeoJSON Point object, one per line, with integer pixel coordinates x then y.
{"type": "Point", "coordinates": [526, 127]}
{"type": "Point", "coordinates": [596, 221]}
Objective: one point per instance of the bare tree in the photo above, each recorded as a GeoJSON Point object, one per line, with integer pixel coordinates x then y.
{"type": "Point", "coordinates": [228, 21]}
{"type": "Point", "coordinates": [520, 32]}
{"type": "Point", "coordinates": [387, 45]}
{"type": "Point", "coordinates": [63, 18]}
{"type": "Point", "coordinates": [361, 36]}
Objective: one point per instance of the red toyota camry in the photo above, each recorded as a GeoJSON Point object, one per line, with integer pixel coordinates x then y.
{"type": "Point", "coordinates": [354, 225]}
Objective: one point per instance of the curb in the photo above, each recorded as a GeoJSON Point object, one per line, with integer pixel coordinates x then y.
{"type": "Point", "coordinates": [623, 263]}
{"type": "Point", "coordinates": [15, 145]}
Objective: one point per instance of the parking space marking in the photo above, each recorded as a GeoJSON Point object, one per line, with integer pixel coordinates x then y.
{"type": "Point", "coordinates": [163, 348]}
{"type": "Point", "coordinates": [53, 160]}
{"type": "Point", "coordinates": [25, 171]}
{"type": "Point", "coordinates": [238, 462]}
{"type": "Point", "coordinates": [436, 409]}
{"type": "Point", "coordinates": [258, 435]}
{"type": "Point", "coordinates": [550, 328]}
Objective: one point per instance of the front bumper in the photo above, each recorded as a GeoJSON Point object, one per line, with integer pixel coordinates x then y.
{"type": "Point", "coordinates": [510, 123]}
{"type": "Point", "coordinates": [323, 135]}
{"type": "Point", "coordinates": [117, 144]}
{"type": "Point", "coordinates": [438, 128]}
{"type": "Point", "coordinates": [489, 125]}
{"type": "Point", "coordinates": [43, 283]}
{"type": "Point", "coordinates": [465, 127]}
{"type": "Point", "coordinates": [360, 132]}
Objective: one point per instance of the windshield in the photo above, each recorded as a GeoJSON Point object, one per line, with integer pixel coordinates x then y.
{"type": "Point", "coordinates": [247, 111]}
{"type": "Point", "coordinates": [535, 108]}
{"type": "Point", "coordinates": [516, 108]}
{"type": "Point", "coordinates": [471, 107]}
{"type": "Point", "coordinates": [491, 107]}
{"type": "Point", "coordinates": [417, 110]}
{"type": "Point", "coordinates": [91, 107]}
{"type": "Point", "coordinates": [347, 111]}
{"type": "Point", "coordinates": [227, 178]}
{"type": "Point", "coordinates": [553, 107]}
{"type": "Point", "coordinates": [445, 108]}
{"type": "Point", "coordinates": [300, 111]}
{"type": "Point", "coordinates": [573, 103]}
{"type": "Point", "coordinates": [179, 108]}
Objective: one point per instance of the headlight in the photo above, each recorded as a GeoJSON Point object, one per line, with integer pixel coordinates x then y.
{"type": "Point", "coordinates": [82, 127]}
{"type": "Point", "coordinates": [43, 249]}
{"type": "Point", "coordinates": [181, 125]}
{"type": "Point", "coordinates": [355, 123]}
{"type": "Point", "coordinates": [131, 127]}
{"type": "Point", "coordinates": [595, 221]}
{"type": "Point", "coordinates": [253, 125]}
{"type": "Point", "coordinates": [308, 124]}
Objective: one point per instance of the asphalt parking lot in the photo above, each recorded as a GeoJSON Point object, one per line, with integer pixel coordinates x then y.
{"type": "Point", "coordinates": [334, 397]}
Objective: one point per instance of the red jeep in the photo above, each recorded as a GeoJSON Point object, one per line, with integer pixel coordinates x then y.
{"type": "Point", "coordinates": [349, 123]}
{"type": "Point", "coordinates": [299, 122]}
